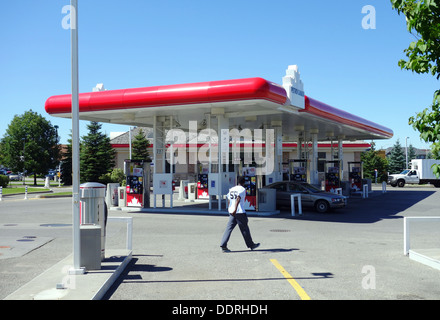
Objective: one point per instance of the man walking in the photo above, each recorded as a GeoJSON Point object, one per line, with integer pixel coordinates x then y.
{"type": "Point", "coordinates": [237, 215]}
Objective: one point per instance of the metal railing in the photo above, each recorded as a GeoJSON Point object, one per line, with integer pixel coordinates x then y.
{"type": "Point", "coordinates": [406, 229]}
{"type": "Point", "coordinates": [129, 221]}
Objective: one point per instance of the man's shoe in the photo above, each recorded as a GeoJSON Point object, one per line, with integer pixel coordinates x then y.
{"type": "Point", "coordinates": [255, 246]}
{"type": "Point", "coordinates": [225, 249]}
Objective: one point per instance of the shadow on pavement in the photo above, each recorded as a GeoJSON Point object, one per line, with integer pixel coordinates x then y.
{"type": "Point", "coordinates": [376, 207]}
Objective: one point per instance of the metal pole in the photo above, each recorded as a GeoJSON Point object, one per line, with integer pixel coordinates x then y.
{"type": "Point", "coordinates": [406, 152]}
{"type": "Point", "coordinates": [129, 143]}
{"type": "Point", "coordinates": [75, 141]}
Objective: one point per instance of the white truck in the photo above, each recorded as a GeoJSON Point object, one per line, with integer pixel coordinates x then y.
{"type": "Point", "coordinates": [420, 173]}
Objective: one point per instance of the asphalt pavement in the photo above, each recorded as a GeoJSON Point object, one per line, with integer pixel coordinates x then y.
{"type": "Point", "coordinates": [355, 253]}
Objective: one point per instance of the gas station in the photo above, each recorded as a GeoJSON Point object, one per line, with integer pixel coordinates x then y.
{"type": "Point", "coordinates": [218, 130]}
{"type": "Point", "coordinates": [223, 129]}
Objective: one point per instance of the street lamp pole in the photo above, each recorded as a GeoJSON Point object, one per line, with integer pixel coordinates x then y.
{"type": "Point", "coordinates": [406, 152]}
{"type": "Point", "coordinates": [57, 153]}
{"type": "Point", "coordinates": [75, 141]}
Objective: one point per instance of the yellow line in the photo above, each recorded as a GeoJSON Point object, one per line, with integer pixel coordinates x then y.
{"type": "Point", "coordinates": [303, 295]}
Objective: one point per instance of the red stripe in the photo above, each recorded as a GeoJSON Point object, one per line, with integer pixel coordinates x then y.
{"type": "Point", "coordinates": [323, 110]}
{"type": "Point", "coordinates": [180, 94]}
{"type": "Point", "coordinates": [285, 145]}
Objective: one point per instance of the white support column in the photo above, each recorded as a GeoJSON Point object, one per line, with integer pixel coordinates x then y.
{"type": "Point", "coordinates": [279, 152]}
{"type": "Point", "coordinates": [159, 150]}
{"type": "Point", "coordinates": [341, 156]}
{"type": "Point", "coordinates": [270, 152]}
{"type": "Point", "coordinates": [210, 163]}
{"type": "Point", "coordinates": [314, 161]}
{"type": "Point", "coordinates": [217, 179]}
{"type": "Point", "coordinates": [171, 162]}
{"type": "Point", "coordinates": [277, 156]}
{"type": "Point", "coordinates": [299, 147]}
{"type": "Point", "coordinates": [223, 123]}
{"type": "Point", "coordinates": [154, 155]}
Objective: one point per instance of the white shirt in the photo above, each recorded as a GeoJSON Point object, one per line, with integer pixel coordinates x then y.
{"type": "Point", "coordinates": [234, 193]}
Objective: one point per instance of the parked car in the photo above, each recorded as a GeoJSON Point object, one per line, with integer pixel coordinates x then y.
{"type": "Point", "coordinates": [15, 177]}
{"type": "Point", "coordinates": [310, 196]}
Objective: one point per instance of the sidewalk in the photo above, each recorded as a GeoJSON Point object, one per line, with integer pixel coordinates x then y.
{"type": "Point", "coordinates": [56, 284]}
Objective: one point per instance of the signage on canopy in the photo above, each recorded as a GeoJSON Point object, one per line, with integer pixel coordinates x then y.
{"type": "Point", "coordinates": [294, 87]}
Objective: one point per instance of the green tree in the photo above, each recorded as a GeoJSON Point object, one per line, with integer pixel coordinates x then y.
{"type": "Point", "coordinates": [423, 56]}
{"type": "Point", "coordinates": [118, 176]}
{"type": "Point", "coordinates": [30, 144]}
{"type": "Point", "coordinates": [434, 153]}
{"type": "Point", "coordinates": [97, 157]}
{"type": "Point", "coordinates": [372, 161]}
{"type": "Point", "coordinates": [140, 147]}
{"type": "Point", "coordinates": [66, 165]}
{"type": "Point", "coordinates": [396, 159]}
{"type": "Point", "coordinates": [411, 153]}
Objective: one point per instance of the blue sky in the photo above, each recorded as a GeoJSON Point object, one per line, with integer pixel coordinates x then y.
{"type": "Point", "coordinates": [137, 43]}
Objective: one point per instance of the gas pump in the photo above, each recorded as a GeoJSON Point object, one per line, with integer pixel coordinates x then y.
{"type": "Point", "coordinates": [332, 175]}
{"type": "Point", "coordinates": [298, 170]}
{"type": "Point", "coordinates": [249, 174]}
{"type": "Point", "coordinates": [355, 175]}
{"type": "Point", "coordinates": [202, 185]}
{"type": "Point", "coordinates": [137, 183]}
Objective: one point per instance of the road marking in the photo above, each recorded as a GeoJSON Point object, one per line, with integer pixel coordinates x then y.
{"type": "Point", "coordinates": [303, 295]}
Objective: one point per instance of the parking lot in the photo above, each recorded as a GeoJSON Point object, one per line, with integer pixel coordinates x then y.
{"type": "Point", "coordinates": [352, 253]}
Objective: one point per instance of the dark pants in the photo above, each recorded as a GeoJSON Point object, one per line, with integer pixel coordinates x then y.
{"type": "Point", "coordinates": [242, 220]}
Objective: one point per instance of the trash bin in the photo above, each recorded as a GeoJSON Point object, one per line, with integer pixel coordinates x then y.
{"type": "Point", "coordinates": [93, 209]}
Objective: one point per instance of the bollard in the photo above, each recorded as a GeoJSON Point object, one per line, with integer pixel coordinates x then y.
{"type": "Point", "coordinates": [292, 203]}
{"type": "Point", "coordinates": [365, 191]}
{"type": "Point", "coordinates": [384, 187]}
{"type": "Point", "coordinates": [1, 193]}
{"type": "Point", "coordinates": [25, 193]}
